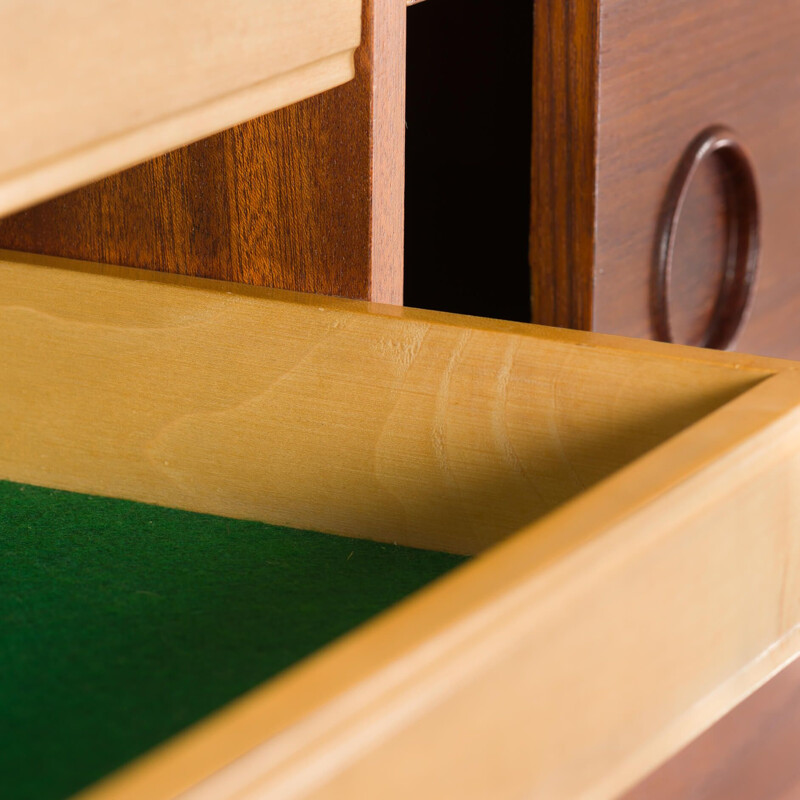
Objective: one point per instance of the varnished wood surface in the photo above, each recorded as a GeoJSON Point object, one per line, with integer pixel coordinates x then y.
{"type": "Point", "coordinates": [725, 62]}
{"type": "Point", "coordinates": [448, 445]}
{"type": "Point", "coordinates": [386, 124]}
{"type": "Point", "coordinates": [696, 273]}
{"type": "Point", "coordinates": [89, 87]}
{"type": "Point", "coordinates": [563, 162]}
{"type": "Point", "coordinates": [309, 197]}
{"type": "Point", "coordinates": [666, 72]}
{"type": "Point", "coordinates": [560, 662]}
{"type": "Point", "coordinates": [750, 754]}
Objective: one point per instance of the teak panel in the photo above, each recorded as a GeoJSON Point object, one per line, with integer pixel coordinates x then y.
{"type": "Point", "coordinates": [662, 74]}
{"type": "Point", "coordinates": [565, 55]}
{"type": "Point", "coordinates": [568, 660]}
{"type": "Point", "coordinates": [750, 753]}
{"type": "Point", "coordinates": [309, 197]}
{"type": "Point", "coordinates": [88, 87]}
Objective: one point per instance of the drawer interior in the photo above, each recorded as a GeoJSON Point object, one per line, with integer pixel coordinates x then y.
{"type": "Point", "coordinates": [413, 427]}
{"type": "Point", "coordinates": [123, 623]}
{"type": "Point", "coordinates": [432, 431]}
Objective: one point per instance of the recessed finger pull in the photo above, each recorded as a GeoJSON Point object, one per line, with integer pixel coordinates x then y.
{"type": "Point", "coordinates": [741, 259]}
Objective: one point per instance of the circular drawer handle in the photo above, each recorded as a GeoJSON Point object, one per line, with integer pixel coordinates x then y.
{"type": "Point", "coordinates": [741, 264]}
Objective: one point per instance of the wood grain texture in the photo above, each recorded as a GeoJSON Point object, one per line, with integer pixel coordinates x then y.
{"type": "Point", "coordinates": [750, 753]}
{"type": "Point", "coordinates": [82, 100]}
{"type": "Point", "coordinates": [564, 663]}
{"type": "Point", "coordinates": [309, 197]}
{"type": "Point", "coordinates": [668, 71]}
{"type": "Point", "coordinates": [696, 273]}
{"type": "Point", "coordinates": [563, 162]}
{"type": "Point", "coordinates": [455, 437]}
{"type": "Point", "coordinates": [387, 140]}
{"type": "Point", "coordinates": [742, 73]}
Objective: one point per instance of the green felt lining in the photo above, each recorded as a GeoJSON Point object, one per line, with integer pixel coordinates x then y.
{"type": "Point", "coordinates": [122, 623]}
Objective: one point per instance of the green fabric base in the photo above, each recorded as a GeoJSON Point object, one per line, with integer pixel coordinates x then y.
{"type": "Point", "coordinates": [122, 623]}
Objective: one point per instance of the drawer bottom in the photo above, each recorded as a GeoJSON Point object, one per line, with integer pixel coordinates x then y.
{"type": "Point", "coordinates": [123, 623]}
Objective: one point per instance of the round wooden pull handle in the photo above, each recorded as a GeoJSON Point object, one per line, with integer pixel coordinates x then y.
{"type": "Point", "coordinates": [741, 263]}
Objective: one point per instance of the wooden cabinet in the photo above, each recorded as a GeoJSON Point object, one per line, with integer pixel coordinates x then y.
{"type": "Point", "coordinates": [622, 88]}
{"type": "Point", "coordinates": [630, 508]}
{"type": "Point", "coordinates": [309, 197]}
{"type": "Point", "coordinates": [629, 505]}
{"type": "Point", "coordinates": [88, 88]}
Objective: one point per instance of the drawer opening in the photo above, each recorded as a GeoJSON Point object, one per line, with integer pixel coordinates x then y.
{"type": "Point", "coordinates": [419, 428]}
{"type": "Point", "coordinates": [271, 410]}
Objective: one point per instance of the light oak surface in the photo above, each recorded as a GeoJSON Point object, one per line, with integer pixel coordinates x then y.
{"type": "Point", "coordinates": [566, 661]}
{"type": "Point", "coordinates": [317, 413]}
{"type": "Point", "coordinates": [90, 87]}
{"type": "Point", "coordinates": [750, 754]}
{"type": "Point", "coordinates": [308, 197]}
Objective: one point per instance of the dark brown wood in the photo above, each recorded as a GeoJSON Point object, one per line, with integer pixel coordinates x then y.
{"type": "Point", "coordinates": [667, 71]}
{"type": "Point", "coordinates": [309, 197]}
{"type": "Point", "coordinates": [750, 754]}
{"type": "Point", "coordinates": [565, 64]}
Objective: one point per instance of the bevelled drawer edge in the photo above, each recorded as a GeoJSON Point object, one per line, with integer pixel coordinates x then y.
{"type": "Point", "coordinates": [149, 79]}
{"type": "Point", "coordinates": [241, 402]}
{"type": "Point", "coordinates": [566, 660]}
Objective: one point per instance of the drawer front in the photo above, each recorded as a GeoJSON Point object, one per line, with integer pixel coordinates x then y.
{"type": "Point", "coordinates": [668, 71]}
{"type": "Point", "coordinates": [650, 120]}
{"type": "Point", "coordinates": [646, 495]}
{"type": "Point", "coordinates": [89, 87]}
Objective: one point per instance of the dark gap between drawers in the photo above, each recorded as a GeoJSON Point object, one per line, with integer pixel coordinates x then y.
{"type": "Point", "coordinates": [468, 156]}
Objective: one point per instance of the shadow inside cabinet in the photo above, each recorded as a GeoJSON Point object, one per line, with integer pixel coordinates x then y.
{"type": "Point", "coordinates": [468, 142]}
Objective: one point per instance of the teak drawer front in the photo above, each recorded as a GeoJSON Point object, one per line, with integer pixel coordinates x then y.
{"type": "Point", "coordinates": [668, 71]}
{"type": "Point", "coordinates": [632, 507]}
{"type": "Point", "coordinates": [622, 88]}
{"type": "Point", "coordinates": [90, 87]}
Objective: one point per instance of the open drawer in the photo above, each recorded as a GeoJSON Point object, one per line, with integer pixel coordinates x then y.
{"type": "Point", "coordinates": [90, 87]}
{"type": "Point", "coordinates": [630, 509]}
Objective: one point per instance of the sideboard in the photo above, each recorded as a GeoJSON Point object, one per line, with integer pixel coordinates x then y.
{"type": "Point", "coordinates": [201, 289]}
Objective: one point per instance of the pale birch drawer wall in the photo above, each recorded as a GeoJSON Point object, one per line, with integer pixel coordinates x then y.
{"type": "Point", "coordinates": [90, 87]}
{"type": "Point", "coordinates": [631, 507]}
